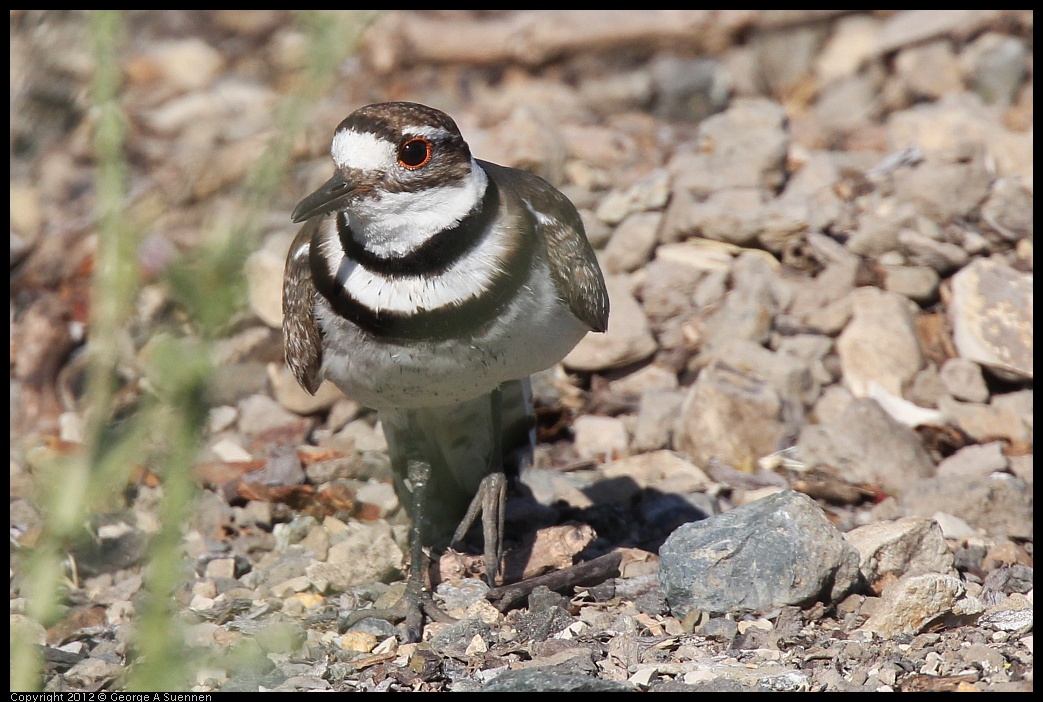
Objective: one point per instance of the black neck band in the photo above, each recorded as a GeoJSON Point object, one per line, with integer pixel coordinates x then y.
{"type": "Point", "coordinates": [436, 254]}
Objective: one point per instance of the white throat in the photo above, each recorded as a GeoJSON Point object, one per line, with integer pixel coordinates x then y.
{"type": "Point", "coordinates": [396, 223]}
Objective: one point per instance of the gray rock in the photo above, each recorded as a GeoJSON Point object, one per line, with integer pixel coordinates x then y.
{"type": "Point", "coordinates": [542, 597]}
{"type": "Point", "coordinates": [719, 628]}
{"type": "Point", "coordinates": [293, 397]}
{"type": "Point", "coordinates": [184, 64]}
{"type": "Point", "coordinates": [535, 680]}
{"type": "Point", "coordinates": [777, 551]}
{"type": "Point", "coordinates": [598, 233]}
{"type": "Point", "coordinates": [851, 43]}
{"type": "Point", "coordinates": [1008, 210]}
{"type": "Point", "coordinates": [963, 380]}
{"type": "Point", "coordinates": [91, 672]}
{"type": "Point", "coordinates": [237, 381]}
{"type": "Point", "coordinates": [908, 27]}
{"type": "Point", "coordinates": [789, 376]}
{"type": "Point", "coordinates": [748, 310]}
{"type": "Point", "coordinates": [632, 243]}
{"type": "Point", "coordinates": [960, 118]}
{"type": "Point", "coordinates": [905, 412]}
{"type": "Point", "coordinates": [711, 288]}
{"type": "Point", "coordinates": [541, 624]}
{"type": "Point", "coordinates": [628, 339]}
{"type": "Point", "coordinates": [880, 219]}
{"type": "Point", "coordinates": [1010, 615]}
{"type": "Point", "coordinates": [688, 88]}
{"type": "Point", "coordinates": [357, 435]}
{"type": "Point", "coordinates": [865, 445]}
{"type": "Point", "coordinates": [920, 249]}
{"type": "Point", "coordinates": [927, 388]}
{"type": "Point", "coordinates": [1000, 504]}
{"type": "Point", "coordinates": [832, 403]}
{"type": "Point", "coordinates": [454, 638]}
{"type": "Point", "coordinates": [733, 215]}
{"type": "Point", "coordinates": [784, 56]}
{"type": "Point", "coordinates": [930, 70]}
{"type": "Point", "coordinates": [735, 417]}
{"type": "Point", "coordinates": [991, 314]}
{"type": "Point", "coordinates": [617, 91]}
{"type": "Point", "coordinates": [664, 471]}
{"type": "Point", "coordinates": [849, 103]}
{"type": "Point", "coordinates": [26, 218]}
{"type": "Point", "coordinates": [946, 186]}
{"type": "Point", "coordinates": [998, 67]}
{"type": "Point", "coordinates": [667, 290]}
{"type": "Point", "coordinates": [260, 413]}
{"type": "Point", "coordinates": [812, 350]}
{"type": "Point", "coordinates": [918, 283]}
{"type": "Point", "coordinates": [743, 147]}
{"type": "Point", "coordinates": [599, 436]}
{"type": "Point", "coordinates": [743, 316]}
{"type": "Point", "coordinates": [1022, 467]}
{"type": "Point", "coordinates": [113, 546]}
{"type": "Point", "coordinates": [656, 415]}
{"type": "Point", "coordinates": [526, 138]}
{"type": "Point", "coordinates": [974, 460]}
{"type": "Point", "coordinates": [649, 193]}
{"type": "Point", "coordinates": [909, 605]}
{"type": "Point", "coordinates": [808, 204]}
{"type": "Point", "coordinates": [879, 344]}
{"type": "Point", "coordinates": [650, 378]}
{"type": "Point", "coordinates": [264, 270]}
{"type": "Point", "coordinates": [700, 254]}
{"type": "Point", "coordinates": [955, 528]}
{"type": "Point", "coordinates": [378, 495]}
{"type": "Point", "coordinates": [1000, 419]}
{"type": "Point", "coordinates": [828, 288]}
{"type": "Point", "coordinates": [677, 225]}
{"type": "Point", "coordinates": [364, 553]}
{"type": "Point", "coordinates": [909, 546]}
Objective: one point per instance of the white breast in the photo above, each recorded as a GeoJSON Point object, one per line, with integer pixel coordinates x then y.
{"type": "Point", "coordinates": [533, 333]}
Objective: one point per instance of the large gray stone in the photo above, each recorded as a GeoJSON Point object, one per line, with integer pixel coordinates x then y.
{"type": "Point", "coordinates": [777, 551]}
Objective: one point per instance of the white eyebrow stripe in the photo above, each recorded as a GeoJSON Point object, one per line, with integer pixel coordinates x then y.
{"type": "Point", "coordinates": [361, 151]}
{"type": "Point", "coordinates": [425, 130]}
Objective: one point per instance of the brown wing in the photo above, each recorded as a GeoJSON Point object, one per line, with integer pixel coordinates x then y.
{"type": "Point", "coordinates": [572, 261]}
{"type": "Point", "coordinates": [302, 338]}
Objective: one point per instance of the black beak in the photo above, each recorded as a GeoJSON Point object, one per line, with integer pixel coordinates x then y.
{"type": "Point", "coordinates": [330, 196]}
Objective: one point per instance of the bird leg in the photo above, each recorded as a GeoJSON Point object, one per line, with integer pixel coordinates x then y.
{"type": "Point", "coordinates": [490, 499]}
{"type": "Point", "coordinates": [419, 472]}
{"type": "Point", "coordinates": [415, 601]}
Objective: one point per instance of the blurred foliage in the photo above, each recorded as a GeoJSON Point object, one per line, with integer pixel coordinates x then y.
{"type": "Point", "coordinates": [163, 429]}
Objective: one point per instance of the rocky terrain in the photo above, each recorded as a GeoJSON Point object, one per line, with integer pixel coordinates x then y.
{"type": "Point", "coordinates": [799, 460]}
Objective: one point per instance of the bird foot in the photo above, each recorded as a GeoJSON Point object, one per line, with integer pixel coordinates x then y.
{"type": "Point", "coordinates": [411, 609]}
{"type": "Point", "coordinates": [490, 500]}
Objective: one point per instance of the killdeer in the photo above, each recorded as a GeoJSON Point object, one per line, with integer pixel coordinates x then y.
{"type": "Point", "coordinates": [429, 285]}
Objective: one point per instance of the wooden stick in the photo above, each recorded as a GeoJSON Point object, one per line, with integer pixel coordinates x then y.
{"type": "Point", "coordinates": [586, 573]}
{"type": "Point", "coordinates": [534, 37]}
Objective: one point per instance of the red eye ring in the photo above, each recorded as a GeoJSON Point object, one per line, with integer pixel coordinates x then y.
{"type": "Point", "coordinates": [415, 153]}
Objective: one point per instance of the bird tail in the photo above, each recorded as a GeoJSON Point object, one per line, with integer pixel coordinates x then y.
{"type": "Point", "coordinates": [458, 441]}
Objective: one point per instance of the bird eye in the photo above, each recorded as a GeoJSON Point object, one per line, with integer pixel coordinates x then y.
{"type": "Point", "coordinates": [414, 153]}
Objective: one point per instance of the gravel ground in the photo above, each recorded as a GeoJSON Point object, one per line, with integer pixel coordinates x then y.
{"type": "Point", "coordinates": [800, 459]}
